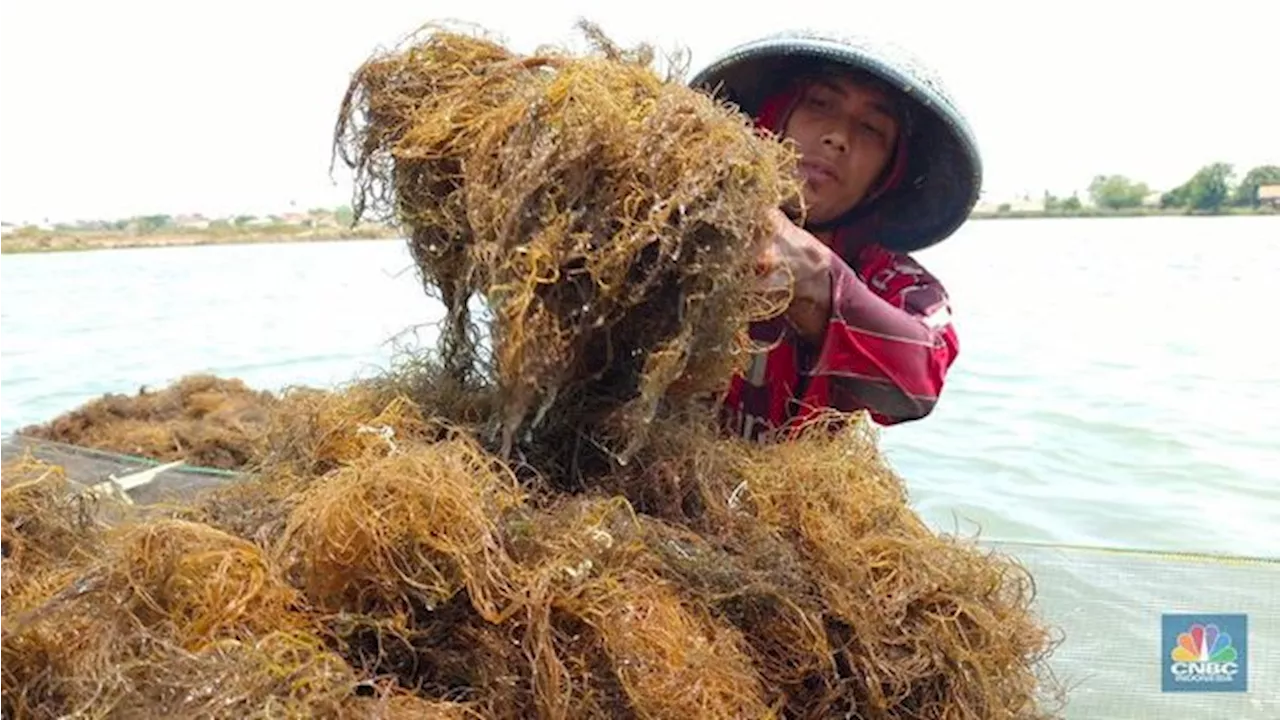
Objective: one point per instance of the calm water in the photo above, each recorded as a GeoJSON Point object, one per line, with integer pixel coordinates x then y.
{"type": "Point", "coordinates": [1118, 383]}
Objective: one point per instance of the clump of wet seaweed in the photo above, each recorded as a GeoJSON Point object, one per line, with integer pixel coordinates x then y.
{"type": "Point", "coordinates": [46, 524]}
{"type": "Point", "coordinates": [885, 617]}
{"type": "Point", "coordinates": [412, 528]}
{"type": "Point", "coordinates": [608, 216]}
{"type": "Point", "coordinates": [458, 538]}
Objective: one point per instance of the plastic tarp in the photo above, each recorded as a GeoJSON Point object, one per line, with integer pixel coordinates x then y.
{"type": "Point", "coordinates": [88, 467]}
{"type": "Point", "coordinates": [1107, 605]}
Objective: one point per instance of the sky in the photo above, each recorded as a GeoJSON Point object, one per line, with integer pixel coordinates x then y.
{"type": "Point", "coordinates": [121, 108]}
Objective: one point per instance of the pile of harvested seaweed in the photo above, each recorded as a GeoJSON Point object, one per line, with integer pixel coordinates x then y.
{"type": "Point", "coordinates": [550, 528]}
{"type": "Point", "coordinates": [201, 419]}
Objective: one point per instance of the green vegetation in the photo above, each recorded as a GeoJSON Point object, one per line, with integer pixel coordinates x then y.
{"type": "Point", "coordinates": [1116, 192]}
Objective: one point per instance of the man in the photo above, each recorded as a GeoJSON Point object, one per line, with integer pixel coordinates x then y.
{"type": "Point", "coordinates": [889, 167]}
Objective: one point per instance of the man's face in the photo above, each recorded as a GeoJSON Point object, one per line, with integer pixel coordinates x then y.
{"type": "Point", "coordinates": [846, 132]}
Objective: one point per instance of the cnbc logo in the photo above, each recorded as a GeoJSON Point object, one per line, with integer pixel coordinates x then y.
{"type": "Point", "coordinates": [1205, 653]}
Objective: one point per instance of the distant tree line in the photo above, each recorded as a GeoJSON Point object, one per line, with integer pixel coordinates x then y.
{"type": "Point", "coordinates": [1212, 188]}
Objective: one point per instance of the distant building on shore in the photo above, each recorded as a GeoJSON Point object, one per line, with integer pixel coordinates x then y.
{"type": "Point", "coordinates": [1024, 203]}
{"type": "Point", "coordinates": [1269, 195]}
{"type": "Point", "coordinates": [1027, 203]}
{"type": "Point", "coordinates": [191, 222]}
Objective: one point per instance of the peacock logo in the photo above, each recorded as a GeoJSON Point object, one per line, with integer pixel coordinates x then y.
{"type": "Point", "coordinates": [1204, 644]}
{"type": "Point", "coordinates": [1204, 652]}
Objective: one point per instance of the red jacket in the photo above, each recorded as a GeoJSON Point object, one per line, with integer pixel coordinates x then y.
{"type": "Point", "coordinates": [887, 348]}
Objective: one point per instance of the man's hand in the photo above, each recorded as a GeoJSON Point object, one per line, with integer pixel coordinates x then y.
{"type": "Point", "coordinates": [809, 261]}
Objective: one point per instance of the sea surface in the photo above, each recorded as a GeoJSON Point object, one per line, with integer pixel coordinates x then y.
{"type": "Point", "coordinates": [1118, 386]}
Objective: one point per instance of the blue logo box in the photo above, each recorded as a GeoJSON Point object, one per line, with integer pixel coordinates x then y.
{"type": "Point", "coordinates": [1204, 653]}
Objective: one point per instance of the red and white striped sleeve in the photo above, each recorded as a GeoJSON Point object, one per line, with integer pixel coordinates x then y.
{"type": "Point", "coordinates": [889, 342]}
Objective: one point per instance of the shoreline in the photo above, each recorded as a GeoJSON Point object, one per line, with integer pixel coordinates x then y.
{"type": "Point", "coordinates": [56, 242]}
